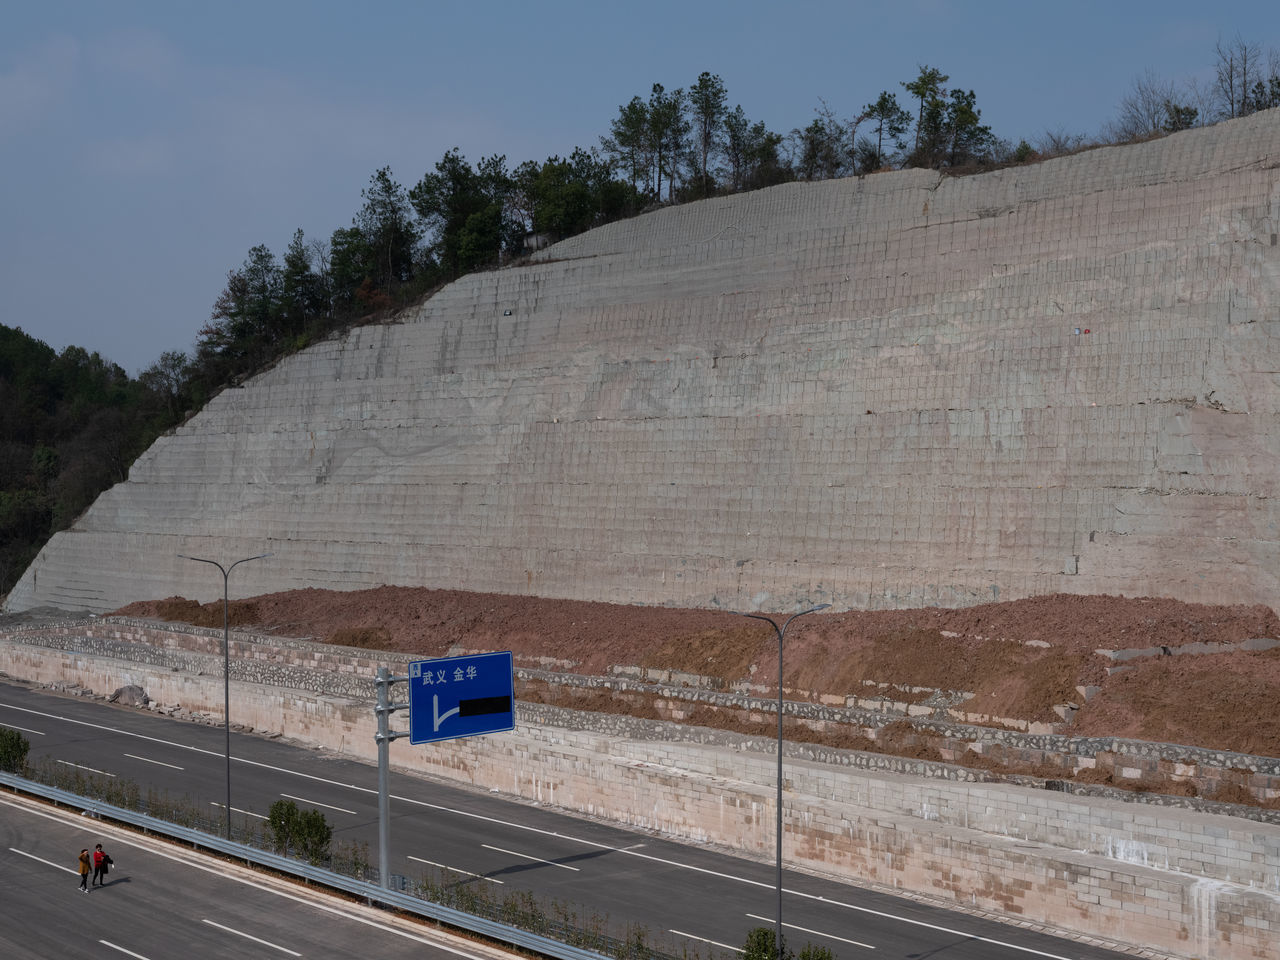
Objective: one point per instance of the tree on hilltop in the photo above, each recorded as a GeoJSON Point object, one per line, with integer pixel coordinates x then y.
{"type": "Point", "coordinates": [707, 100]}
{"type": "Point", "coordinates": [752, 153]}
{"type": "Point", "coordinates": [927, 88]}
{"type": "Point", "coordinates": [244, 318]}
{"type": "Point", "coordinates": [950, 132]}
{"type": "Point", "coordinates": [467, 211]}
{"type": "Point", "coordinates": [891, 122]}
{"type": "Point", "coordinates": [668, 132]}
{"type": "Point", "coordinates": [1147, 109]}
{"type": "Point", "coordinates": [386, 222]}
{"type": "Point", "coordinates": [628, 143]}
{"type": "Point", "coordinates": [563, 197]}
{"type": "Point", "coordinates": [818, 151]}
{"type": "Point", "coordinates": [302, 296]}
{"type": "Point", "coordinates": [1238, 71]}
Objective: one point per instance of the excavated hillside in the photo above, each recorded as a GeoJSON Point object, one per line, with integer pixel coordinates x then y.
{"type": "Point", "coordinates": [1018, 659]}
{"type": "Point", "coordinates": [893, 391]}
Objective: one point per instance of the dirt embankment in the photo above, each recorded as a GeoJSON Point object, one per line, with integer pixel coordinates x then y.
{"type": "Point", "coordinates": [1019, 659]}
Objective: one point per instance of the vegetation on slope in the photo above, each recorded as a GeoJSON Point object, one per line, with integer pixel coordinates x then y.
{"type": "Point", "coordinates": [71, 423]}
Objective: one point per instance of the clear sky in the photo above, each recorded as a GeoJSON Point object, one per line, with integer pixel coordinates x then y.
{"type": "Point", "coordinates": [146, 146]}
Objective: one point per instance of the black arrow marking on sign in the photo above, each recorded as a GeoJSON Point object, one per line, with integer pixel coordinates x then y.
{"type": "Point", "coordinates": [478, 706]}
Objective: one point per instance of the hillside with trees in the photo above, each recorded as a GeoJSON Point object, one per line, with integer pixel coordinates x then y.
{"type": "Point", "coordinates": [72, 423]}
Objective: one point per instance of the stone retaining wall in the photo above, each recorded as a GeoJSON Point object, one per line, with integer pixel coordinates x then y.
{"type": "Point", "coordinates": [1188, 883]}
{"type": "Point", "coordinates": [343, 672]}
{"type": "Point", "coordinates": [1141, 762]}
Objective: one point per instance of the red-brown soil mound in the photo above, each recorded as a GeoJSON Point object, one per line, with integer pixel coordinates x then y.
{"type": "Point", "coordinates": [1019, 659]}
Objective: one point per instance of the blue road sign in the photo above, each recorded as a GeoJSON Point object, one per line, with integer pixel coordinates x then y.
{"type": "Point", "coordinates": [461, 697]}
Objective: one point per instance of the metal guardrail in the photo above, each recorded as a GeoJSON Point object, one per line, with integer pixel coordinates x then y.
{"type": "Point", "coordinates": [490, 929]}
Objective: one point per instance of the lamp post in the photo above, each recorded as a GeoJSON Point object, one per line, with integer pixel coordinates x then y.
{"type": "Point", "coordinates": [782, 632]}
{"type": "Point", "coordinates": [226, 661]}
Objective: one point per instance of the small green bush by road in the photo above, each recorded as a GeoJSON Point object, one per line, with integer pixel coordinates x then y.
{"type": "Point", "coordinates": [300, 833]}
{"type": "Point", "coordinates": [13, 750]}
{"type": "Point", "coordinates": [760, 946]}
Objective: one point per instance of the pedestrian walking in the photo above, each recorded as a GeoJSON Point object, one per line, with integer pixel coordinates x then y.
{"type": "Point", "coordinates": [84, 870]}
{"type": "Point", "coordinates": [101, 861]}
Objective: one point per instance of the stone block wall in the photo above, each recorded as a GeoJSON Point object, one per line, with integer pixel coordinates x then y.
{"type": "Point", "coordinates": [867, 391]}
{"type": "Point", "coordinates": [1187, 883]}
{"type": "Point", "coordinates": [1142, 762]}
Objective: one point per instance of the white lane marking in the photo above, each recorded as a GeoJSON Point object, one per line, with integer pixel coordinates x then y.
{"type": "Point", "coordinates": [728, 876]}
{"type": "Point", "coordinates": [47, 863]}
{"type": "Point", "coordinates": [247, 813]}
{"type": "Point", "coordinates": [124, 839]}
{"type": "Point", "coordinates": [714, 943]}
{"type": "Point", "coordinates": [816, 933]}
{"type": "Point", "coordinates": [551, 833]}
{"type": "Point", "coordinates": [81, 766]}
{"type": "Point", "coordinates": [935, 926]}
{"type": "Point", "coordinates": [550, 863]}
{"type": "Point", "coordinates": [241, 933]}
{"type": "Point", "coordinates": [158, 763]}
{"type": "Point", "coordinates": [14, 726]}
{"type": "Point", "coordinates": [317, 803]}
{"type": "Point", "coordinates": [108, 943]}
{"type": "Point", "coordinates": [445, 866]}
{"type": "Point", "coordinates": [220, 754]}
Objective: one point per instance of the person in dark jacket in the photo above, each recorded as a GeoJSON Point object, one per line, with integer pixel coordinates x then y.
{"type": "Point", "coordinates": [101, 861]}
{"type": "Point", "coordinates": [84, 871]}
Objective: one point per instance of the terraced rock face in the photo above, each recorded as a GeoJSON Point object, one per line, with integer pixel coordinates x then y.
{"type": "Point", "coordinates": [867, 391]}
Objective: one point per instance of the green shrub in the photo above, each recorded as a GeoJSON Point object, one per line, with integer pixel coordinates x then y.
{"type": "Point", "coordinates": [13, 750]}
{"type": "Point", "coordinates": [760, 946]}
{"type": "Point", "coordinates": [301, 833]}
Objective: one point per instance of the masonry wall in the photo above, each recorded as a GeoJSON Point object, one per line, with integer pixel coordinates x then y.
{"type": "Point", "coordinates": [866, 391]}
{"type": "Point", "coordinates": [1189, 883]}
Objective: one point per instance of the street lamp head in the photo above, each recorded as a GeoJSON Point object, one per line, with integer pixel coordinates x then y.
{"type": "Point", "coordinates": [259, 556]}
{"type": "Point", "coordinates": [761, 616]}
{"type": "Point", "coordinates": [225, 570]}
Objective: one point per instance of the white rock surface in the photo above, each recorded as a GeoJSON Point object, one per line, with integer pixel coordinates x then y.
{"type": "Point", "coordinates": [865, 391]}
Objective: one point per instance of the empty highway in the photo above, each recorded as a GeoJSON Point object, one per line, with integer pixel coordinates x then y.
{"type": "Point", "coordinates": [682, 896]}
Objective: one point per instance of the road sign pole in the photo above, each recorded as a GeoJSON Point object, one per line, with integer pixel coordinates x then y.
{"type": "Point", "coordinates": [384, 736]}
{"type": "Point", "coordinates": [384, 777]}
{"type": "Point", "coordinates": [478, 694]}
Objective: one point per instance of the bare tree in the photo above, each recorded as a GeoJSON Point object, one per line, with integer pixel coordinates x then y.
{"type": "Point", "coordinates": [1058, 143]}
{"type": "Point", "coordinates": [1143, 110]}
{"type": "Point", "coordinates": [822, 150]}
{"type": "Point", "coordinates": [1238, 69]}
{"type": "Point", "coordinates": [1200, 96]}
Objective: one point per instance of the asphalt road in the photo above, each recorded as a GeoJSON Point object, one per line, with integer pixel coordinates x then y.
{"type": "Point", "coordinates": [683, 897]}
{"type": "Point", "coordinates": [161, 901]}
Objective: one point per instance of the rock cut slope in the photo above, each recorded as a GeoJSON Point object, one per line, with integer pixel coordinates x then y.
{"type": "Point", "coordinates": [892, 391]}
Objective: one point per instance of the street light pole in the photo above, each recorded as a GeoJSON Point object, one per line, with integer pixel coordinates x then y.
{"type": "Point", "coordinates": [782, 632]}
{"type": "Point", "coordinates": [226, 660]}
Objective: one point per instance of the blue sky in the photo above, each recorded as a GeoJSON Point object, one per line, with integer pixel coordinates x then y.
{"type": "Point", "coordinates": [146, 146]}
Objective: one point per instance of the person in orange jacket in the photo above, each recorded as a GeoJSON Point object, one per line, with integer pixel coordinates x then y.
{"type": "Point", "coordinates": [84, 871]}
